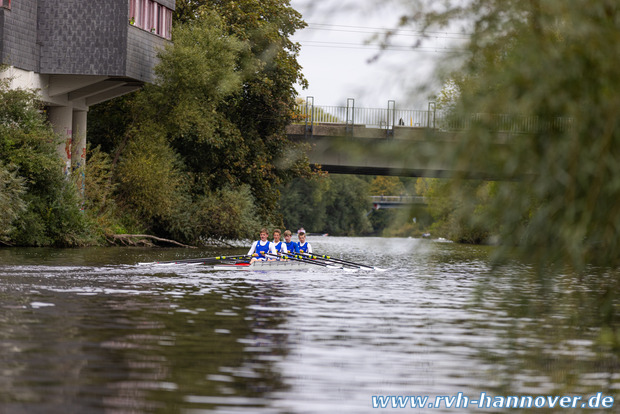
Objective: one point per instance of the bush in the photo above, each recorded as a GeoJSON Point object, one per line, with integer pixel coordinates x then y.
{"type": "Point", "coordinates": [12, 204]}
{"type": "Point", "coordinates": [49, 213]}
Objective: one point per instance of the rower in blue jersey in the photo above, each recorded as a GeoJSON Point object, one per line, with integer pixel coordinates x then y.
{"type": "Point", "coordinates": [280, 245]}
{"type": "Point", "coordinates": [304, 246]}
{"type": "Point", "coordinates": [291, 246]}
{"type": "Point", "coordinates": [263, 248]}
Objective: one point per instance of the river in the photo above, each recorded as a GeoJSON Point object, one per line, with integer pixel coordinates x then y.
{"type": "Point", "coordinates": [92, 331]}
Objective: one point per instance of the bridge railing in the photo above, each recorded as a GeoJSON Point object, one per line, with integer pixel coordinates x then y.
{"type": "Point", "coordinates": [384, 118]}
{"type": "Point", "coordinates": [517, 124]}
{"type": "Point", "coordinates": [388, 118]}
{"type": "Point", "coordinates": [398, 199]}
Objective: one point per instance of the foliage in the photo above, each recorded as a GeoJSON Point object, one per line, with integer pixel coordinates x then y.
{"type": "Point", "coordinates": [387, 186]}
{"type": "Point", "coordinates": [174, 157]}
{"type": "Point", "coordinates": [108, 123]}
{"type": "Point", "coordinates": [25, 140]}
{"type": "Point", "coordinates": [12, 204]}
{"type": "Point", "coordinates": [100, 203]}
{"type": "Point", "coordinates": [47, 205]}
{"type": "Point", "coordinates": [303, 202]}
{"type": "Point", "coordinates": [349, 206]}
{"type": "Point", "coordinates": [335, 204]}
{"type": "Point", "coordinates": [150, 184]}
{"type": "Point", "coordinates": [556, 60]}
{"type": "Point", "coordinates": [256, 114]}
{"type": "Point", "coordinates": [226, 214]}
{"type": "Point", "coordinates": [460, 214]}
{"type": "Point", "coordinates": [302, 114]}
{"type": "Point", "coordinates": [54, 218]}
{"type": "Point", "coordinates": [414, 222]}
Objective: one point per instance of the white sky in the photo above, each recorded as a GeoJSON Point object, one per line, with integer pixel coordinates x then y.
{"type": "Point", "coordinates": [337, 62]}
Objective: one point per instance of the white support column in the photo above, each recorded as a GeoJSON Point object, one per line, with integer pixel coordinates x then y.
{"type": "Point", "coordinates": [61, 118]}
{"type": "Point", "coordinates": [78, 153]}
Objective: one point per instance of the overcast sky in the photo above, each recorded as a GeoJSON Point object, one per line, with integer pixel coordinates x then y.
{"type": "Point", "coordinates": [339, 65]}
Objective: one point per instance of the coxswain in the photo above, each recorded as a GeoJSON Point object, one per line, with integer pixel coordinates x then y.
{"type": "Point", "coordinates": [262, 247]}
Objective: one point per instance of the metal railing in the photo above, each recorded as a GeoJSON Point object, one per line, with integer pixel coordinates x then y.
{"type": "Point", "coordinates": [390, 117]}
{"type": "Point", "coordinates": [398, 199]}
{"type": "Point", "coordinates": [517, 124]}
{"type": "Point", "coordinates": [383, 118]}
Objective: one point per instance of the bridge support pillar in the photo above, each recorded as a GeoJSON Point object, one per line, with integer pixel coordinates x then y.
{"type": "Point", "coordinates": [61, 118]}
{"type": "Point", "coordinates": [78, 150]}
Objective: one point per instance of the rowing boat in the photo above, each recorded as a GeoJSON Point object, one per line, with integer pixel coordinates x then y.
{"type": "Point", "coordinates": [276, 265]}
{"type": "Point", "coordinates": [301, 261]}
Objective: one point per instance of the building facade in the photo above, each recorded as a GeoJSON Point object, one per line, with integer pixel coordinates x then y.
{"type": "Point", "coordinates": [78, 53]}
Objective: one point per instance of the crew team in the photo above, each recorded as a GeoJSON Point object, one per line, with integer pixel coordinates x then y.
{"type": "Point", "coordinates": [266, 250]}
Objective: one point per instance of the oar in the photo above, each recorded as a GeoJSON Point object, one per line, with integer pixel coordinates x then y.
{"type": "Point", "coordinates": [339, 261]}
{"type": "Point", "coordinates": [207, 259]}
{"type": "Point", "coordinates": [329, 264]}
{"type": "Point", "coordinates": [296, 259]}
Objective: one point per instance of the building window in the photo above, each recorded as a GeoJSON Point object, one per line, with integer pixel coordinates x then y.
{"type": "Point", "coordinates": [150, 16]}
{"type": "Point", "coordinates": [5, 4]}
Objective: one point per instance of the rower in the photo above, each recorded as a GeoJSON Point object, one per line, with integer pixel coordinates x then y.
{"type": "Point", "coordinates": [290, 246]}
{"type": "Point", "coordinates": [262, 247]}
{"type": "Point", "coordinates": [304, 246]}
{"type": "Point", "coordinates": [280, 245]}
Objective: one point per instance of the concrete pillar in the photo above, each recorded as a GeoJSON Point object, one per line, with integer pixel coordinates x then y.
{"type": "Point", "coordinates": [78, 150]}
{"type": "Point", "coordinates": [61, 118]}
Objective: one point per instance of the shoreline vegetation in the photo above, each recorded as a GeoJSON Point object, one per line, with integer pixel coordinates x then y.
{"type": "Point", "coordinates": [192, 160]}
{"type": "Point", "coordinates": [202, 153]}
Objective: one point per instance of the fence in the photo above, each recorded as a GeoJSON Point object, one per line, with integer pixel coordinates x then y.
{"type": "Point", "coordinates": [517, 124]}
{"type": "Point", "coordinates": [387, 118]}
{"type": "Point", "coordinates": [383, 118]}
{"type": "Point", "coordinates": [398, 199]}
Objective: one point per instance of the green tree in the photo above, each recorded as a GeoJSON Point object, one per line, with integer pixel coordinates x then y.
{"type": "Point", "coordinates": [108, 124]}
{"type": "Point", "coordinates": [263, 106]}
{"type": "Point", "coordinates": [212, 127]}
{"type": "Point", "coordinates": [303, 203]}
{"type": "Point", "coordinates": [556, 61]}
{"type": "Point", "coordinates": [149, 181]}
{"type": "Point", "coordinates": [12, 204]}
{"type": "Point", "coordinates": [334, 204]}
{"type": "Point", "coordinates": [349, 206]}
{"type": "Point", "coordinates": [460, 213]}
{"type": "Point", "coordinates": [302, 114]}
{"type": "Point", "coordinates": [47, 206]}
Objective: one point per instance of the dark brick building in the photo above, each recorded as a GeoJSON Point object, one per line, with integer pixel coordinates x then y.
{"type": "Point", "coordinates": [81, 52]}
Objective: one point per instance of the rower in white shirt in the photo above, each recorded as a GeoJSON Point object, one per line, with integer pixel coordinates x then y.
{"type": "Point", "coordinates": [262, 247]}
{"type": "Point", "coordinates": [304, 246]}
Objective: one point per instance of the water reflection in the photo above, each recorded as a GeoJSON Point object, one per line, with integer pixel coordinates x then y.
{"type": "Point", "coordinates": [90, 331]}
{"type": "Point", "coordinates": [81, 342]}
{"type": "Point", "coordinates": [554, 331]}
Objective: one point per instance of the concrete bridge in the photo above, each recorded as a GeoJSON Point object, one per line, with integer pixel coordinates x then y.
{"type": "Point", "coordinates": [396, 142]}
{"type": "Point", "coordinates": [381, 201]}
{"type": "Point", "coordinates": [407, 152]}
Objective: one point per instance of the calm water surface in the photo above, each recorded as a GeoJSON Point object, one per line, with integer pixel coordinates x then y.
{"type": "Point", "coordinates": [90, 330]}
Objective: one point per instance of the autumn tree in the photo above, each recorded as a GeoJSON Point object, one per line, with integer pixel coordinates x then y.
{"type": "Point", "coordinates": [389, 186]}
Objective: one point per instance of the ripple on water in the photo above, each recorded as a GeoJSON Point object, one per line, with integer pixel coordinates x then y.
{"type": "Point", "coordinates": [115, 336]}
